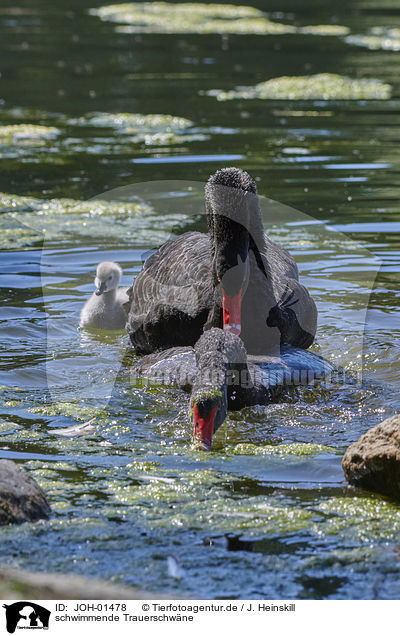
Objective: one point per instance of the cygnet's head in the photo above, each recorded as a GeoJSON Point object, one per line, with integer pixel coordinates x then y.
{"type": "Point", "coordinates": [108, 275]}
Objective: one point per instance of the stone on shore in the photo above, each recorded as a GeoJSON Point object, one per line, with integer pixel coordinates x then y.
{"type": "Point", "coordinates": [373, 462]}
{"type": "Point", "coordinates": [21, 499]}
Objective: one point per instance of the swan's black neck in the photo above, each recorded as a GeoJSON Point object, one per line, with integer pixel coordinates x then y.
{"type": "Point", "coordinates": [235, 228]}
{"type": "Point", "coordinates": [233, 217]}
{"type": "Point", "coordinates": [212, 357]}
{"type": "Point", "coordinates": [217, 353]}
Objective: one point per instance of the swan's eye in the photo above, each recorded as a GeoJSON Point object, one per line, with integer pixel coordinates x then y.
{"type": "Point", "coordinates": [110, 277]}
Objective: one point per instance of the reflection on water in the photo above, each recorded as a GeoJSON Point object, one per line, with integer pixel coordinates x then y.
{"type": "Point", "coordinates": [131, 486]}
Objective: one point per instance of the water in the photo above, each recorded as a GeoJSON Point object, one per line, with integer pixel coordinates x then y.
{"type": "Point", "coordinates": [268, 512]}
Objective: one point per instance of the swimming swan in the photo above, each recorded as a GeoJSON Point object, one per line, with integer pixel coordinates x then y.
{"type": "Point", "coordinates": [234, 277]}
{"type": "Point", "coordinates": [105, 308]}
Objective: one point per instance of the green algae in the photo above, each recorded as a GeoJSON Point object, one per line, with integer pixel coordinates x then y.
{"type": "Point", "coordinates": [130, 123]}
{"type": "Point", "coordinates": [92, 208]}
{"type": "Point", "coordinates": [8, 427]}
{"type": "Point", "coordinates": [383, 38]}
{"type": "Point", "coordinates": [30, 141]}
{"type": "Point", "coordinates": [12, 235]}
{"type": "Point", "coordinates": [201, 500]}
{"type": "Point", "coordinates": [326, 86]}
{"type": "Point", "coordinates": [16, 203]}
{"type": "Point", "coordinates": [163, 17]}
{"type": "Point", "coordinates": [150, 130]}
{"type": "Point", "coordinates": [25, 220]}
{"type": "Point", "coordinates": [283, 450]}
{"type": "Point", "coordinates": [95, 207]}
{"type": "Point", "coordinates": [365, 519]}
{"type": "Point", "coordinates": [85, 445]}
{"type": "Point", "coordinates": [27, 134]}
{"type": "Point", "coordinates": [61, 482]}
{"type": "Point", "coordinates": [168, 499]}
{"type": "Point", "coordinates": [117, 428]}
{"type": "Point", "coordinates": [21, 435]}
{"type": "Point", "coordinates": [61, 506]}
{"type": "Point", "coordinates": [206, 394]}
{"type": "Point", "coordinates": [70, 409]}
{"type": "Point", "coordinates": [254, 515]}
{"type": "Point", "coordinates": [302, 113]}
{"type": "Point", "coordinates": [52, 467]}
{"type": "Point", "coordinates": [167, 139]}
{"type": "Point", "coordinates": [324, 29]}
{"type": "Point", "coordinates": [138, 467]}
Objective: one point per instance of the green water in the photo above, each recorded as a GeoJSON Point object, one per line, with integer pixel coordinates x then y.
{"type": "Point", "coordinates": [268, 512]}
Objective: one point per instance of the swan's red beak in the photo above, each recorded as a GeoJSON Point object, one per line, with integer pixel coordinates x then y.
{"type": "Point", "coordinates": [203, 427]}
{"type": "Point", "coordinates": [232, 310]}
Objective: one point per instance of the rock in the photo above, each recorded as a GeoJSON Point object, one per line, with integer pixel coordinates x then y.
{"type": "Point", "coordinates": [21, 499]}
{"type": "Point", "coordinates": [20, 585]}
{"type": "Point", "coordinates": [373, 462]}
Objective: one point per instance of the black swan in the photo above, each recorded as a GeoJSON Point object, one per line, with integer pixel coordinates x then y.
{"type": "Point", "coordinates": [235, 277]}
{"type": "Point", "coordinates": [221, 377]}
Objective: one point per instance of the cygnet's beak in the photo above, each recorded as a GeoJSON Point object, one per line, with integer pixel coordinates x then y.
{"type": "Point", "coordinates": [101, 289]}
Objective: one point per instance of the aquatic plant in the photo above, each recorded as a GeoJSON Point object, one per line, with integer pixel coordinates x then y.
{"type": "Point", "coordinates": [282, 450]}
{"type": "Point", "coordinates": [384, 38]}
{"type": "Point", "coordinates": [326, 86]}
{"type": "Point", "coordinates": [166, 17]}
{"type": "Point", "coordinates": [151, 129]}
{"type": "Point", "coordinates": [135, 122]}
{"type": "Point", "coordinates": [26, 220]}
{"type": "Point", "coordinates": [27, 134]}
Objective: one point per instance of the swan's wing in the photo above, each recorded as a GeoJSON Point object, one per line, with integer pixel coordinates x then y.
{"type": "Point", "coordinates": [172, 295]}
{"type": "Point", "coordinates": [295, 313]}
{"type": "Point", "coordinates": [175, 276]}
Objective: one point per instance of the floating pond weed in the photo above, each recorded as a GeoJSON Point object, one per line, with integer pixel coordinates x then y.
{"type": "Point", "coordinates": [150, 130]}
{"type": "Point", "coordinates": [385, 38]}
{"type": "Point", "coordinates": [326, 86]}
{"type": "Point", "coordinates": [167, 17]}
{"type": "Point", "coordinates": [369, 518]}
{"type": "Point", "coordinates": [129, 123]}
{"type": "Point", "coordinates": [27, 134]}
{"type": "Point", "coordinates": [27, 220]}
{"type": "Point", "coordinates": [283, 450]}
{"type": "Point", "coordinates": [76, 411]}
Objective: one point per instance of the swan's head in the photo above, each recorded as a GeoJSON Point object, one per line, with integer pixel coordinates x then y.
{"type": "Point", "coordinates": [108, 275]}
{"type": "Point", "coordinates": [217, 353]}
{"type": "Point", "coordinates": [209, 408]}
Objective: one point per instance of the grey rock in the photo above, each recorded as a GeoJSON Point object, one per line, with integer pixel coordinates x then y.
{"type": "Point", "coordinates": [21, 499]}
{"type": "Point", "coordinates": [373, 462]}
